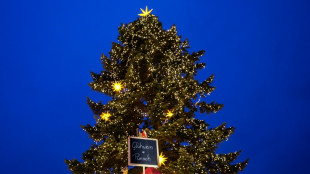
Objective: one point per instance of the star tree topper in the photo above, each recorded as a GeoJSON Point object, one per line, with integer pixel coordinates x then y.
{"type": "Point", "coordinates": [146, 12]}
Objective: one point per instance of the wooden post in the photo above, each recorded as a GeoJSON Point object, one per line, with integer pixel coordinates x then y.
{"type": "Point", "coordinates": [144, 137]}
{"type": "Point", "coordinates": [138, 136]}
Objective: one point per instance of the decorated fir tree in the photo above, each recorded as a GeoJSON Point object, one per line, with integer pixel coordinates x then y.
{"type": "Point", "coordinates": [150, 76]}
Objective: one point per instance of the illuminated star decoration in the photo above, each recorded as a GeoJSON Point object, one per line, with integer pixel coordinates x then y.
{"type": "Point", "coordinates": [162, 159]}
{"type": "Point", "coordinates": [146, 12]}
{"type": "Point", "coordinates": [117, 86]}
{"type": "Point", "coordinates": [170, 113]}
{"type": "Point", "coordinates": [105, 116]}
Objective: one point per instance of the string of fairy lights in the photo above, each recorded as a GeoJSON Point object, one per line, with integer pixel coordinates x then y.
{"type": "Point", "coordinates": [118, 87]}
{"type": "Point", "coordinates": [162, 100]}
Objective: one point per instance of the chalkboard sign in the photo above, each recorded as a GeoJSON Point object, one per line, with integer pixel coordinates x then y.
{"type": "Point", "coordinates": [142, 152]}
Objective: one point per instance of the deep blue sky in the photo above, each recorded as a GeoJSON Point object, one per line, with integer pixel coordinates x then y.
{"type": "Point", "coordinates": [258, 50]}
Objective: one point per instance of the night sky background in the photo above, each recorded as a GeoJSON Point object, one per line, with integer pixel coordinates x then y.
{"type": "Point", "coordinates": [258, 50]}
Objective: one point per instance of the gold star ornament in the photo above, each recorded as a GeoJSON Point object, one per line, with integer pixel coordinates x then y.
{"type": "Point", "coordinates": [105, 116]}
{"type": "Point", "coordinates": [117, 86]}
{"type": "Point", "coordinates": [169, 113]}
{"type": "Point", "coordinates": [162, 159]}
{"type": "Point", "coordinates": [146, 12]}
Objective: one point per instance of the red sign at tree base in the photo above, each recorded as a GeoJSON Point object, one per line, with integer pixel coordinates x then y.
{"type": "Point", "coordinates": [151, 170]}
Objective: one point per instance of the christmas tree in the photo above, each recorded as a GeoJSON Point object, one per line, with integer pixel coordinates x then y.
{"type": "Point", "coordinates": [150, 76]}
